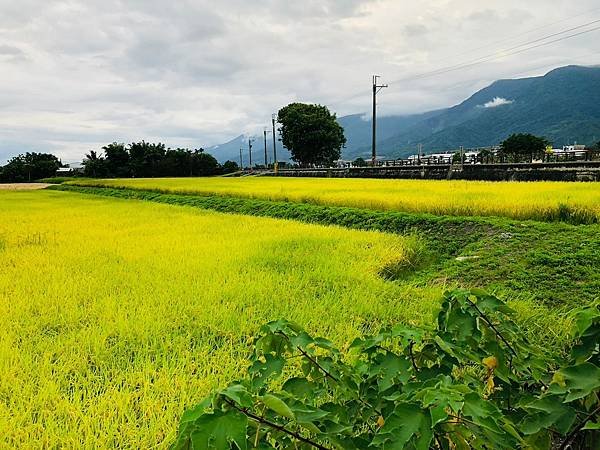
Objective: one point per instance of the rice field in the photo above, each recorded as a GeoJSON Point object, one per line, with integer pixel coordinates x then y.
{"type": "Point", "coordinates": [579, 202]}
{"type": "Point", "coordinates": [116, 315]}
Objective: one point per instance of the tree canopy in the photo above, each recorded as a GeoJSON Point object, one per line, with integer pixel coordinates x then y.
{"type": "Point", "coordinates": [311, 133]}
{"type": "Point", "coordinates": [29, 167]}
{"type": "Point", "coordinates": [523, 146]}
{"type": "Point", "coordinates": [145, 159]}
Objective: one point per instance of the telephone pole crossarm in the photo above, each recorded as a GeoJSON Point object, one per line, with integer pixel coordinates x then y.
{"type": "Point", "coordinates": [376, 89]}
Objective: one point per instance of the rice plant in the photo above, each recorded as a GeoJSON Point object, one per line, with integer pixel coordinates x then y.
{"type": "Point", "coordinates": [546, 201]}
{"type": "Point", "coordinates": [117, 315]}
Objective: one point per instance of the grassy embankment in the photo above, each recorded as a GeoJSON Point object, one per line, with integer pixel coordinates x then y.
{"type": "Point", "coordinates": [551, 263]}
{"type": "Point", "coordinates": [543, 201]}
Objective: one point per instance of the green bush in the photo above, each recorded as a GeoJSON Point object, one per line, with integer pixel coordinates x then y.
{"type": "Point", "coordinates": [473, 381]}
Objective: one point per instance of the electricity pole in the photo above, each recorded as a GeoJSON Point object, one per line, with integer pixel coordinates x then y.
{"type": "Point", "coordinates": [250, 152]}
{"type": "Point", "coordinates": [376, 89]}
{"type": "Point", "coordinates": [265, 139]}
{"type": "Point", "coordinates": [274, 144]}
{"type": "Point", "coordinates": [241, 160]}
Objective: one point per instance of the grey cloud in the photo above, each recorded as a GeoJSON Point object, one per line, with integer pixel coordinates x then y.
{"type": "Point", "coordinates": [9, 50]}
{"type": "Point", "coordinates": [193, 72]}
{"type": "Point", "coordinates": [417, 30]}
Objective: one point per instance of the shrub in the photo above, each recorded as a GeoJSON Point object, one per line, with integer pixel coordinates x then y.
{"type": "Point", "coordinates": [473, 381]}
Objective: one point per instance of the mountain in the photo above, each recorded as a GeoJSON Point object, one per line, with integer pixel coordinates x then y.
{"type": "Point", "coordinates": [231, 150]}
{"type": "Point", "coordinates": [563, 106]}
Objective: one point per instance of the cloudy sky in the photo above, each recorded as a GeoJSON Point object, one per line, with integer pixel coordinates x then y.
{"type": "Point", "coordinates": [75, 75]}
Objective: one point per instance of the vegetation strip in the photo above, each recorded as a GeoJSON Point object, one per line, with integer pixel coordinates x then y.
{"type": "Point", "coordinates": [575, 203]}
{"type": "Point", "coordinates": [552, 264]}
{"type": "Point", "coordinates": [464, 230]}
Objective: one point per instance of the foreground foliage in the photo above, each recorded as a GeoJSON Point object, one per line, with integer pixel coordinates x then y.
{"type": "Point", "coordinates": [472, 382]}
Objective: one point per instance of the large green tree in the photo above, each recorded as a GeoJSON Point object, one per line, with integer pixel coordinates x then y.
{"type": "Point", "coordinates": [523, 146]}
{"type": "Point", "coordinates": [311, 133]}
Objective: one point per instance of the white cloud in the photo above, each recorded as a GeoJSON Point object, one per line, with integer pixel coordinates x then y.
{"type": "Point", "coordinates": [497, 101]}
{"type": "Point", "coordinates": [196, 73]}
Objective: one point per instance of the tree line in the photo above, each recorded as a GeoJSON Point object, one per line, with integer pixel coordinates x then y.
{"type": "Point", "coordinates": [138, 159]}
{"type": "Point", "coordinates": [28, 167]}
{"type": "Point", "coordinates": [145, 159]}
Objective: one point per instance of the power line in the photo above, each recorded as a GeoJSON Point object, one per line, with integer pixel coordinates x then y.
{"type": "Point", "coordinates": [512, 38]}
{"type": "Point", "coordinates": [491, 57]}
{"type": "Point", "coordinates": [507, 51]}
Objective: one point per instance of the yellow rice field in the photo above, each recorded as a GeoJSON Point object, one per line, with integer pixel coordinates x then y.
{"type": "Point", "coordinates": [519, 200]}
{"type": "Point", "coordinates": [116, 315]}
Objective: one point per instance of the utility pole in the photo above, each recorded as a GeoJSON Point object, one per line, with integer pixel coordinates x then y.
{"type": "Point", "coordinates": [250, 152]}
{"type": "Point", "coordinates": [420, 152]}
{"type": "Point", "coordinates": [274, 144]}
{"type": "Point", "coordinates": [241, 160]}
{"type": "Point", "coordinates": [265, 139]}
{"type": "Point", "coordinates": [376, 89]}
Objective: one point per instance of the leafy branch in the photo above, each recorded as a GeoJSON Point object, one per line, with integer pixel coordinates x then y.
{"type": "Point", "coordinates": [409, 388]}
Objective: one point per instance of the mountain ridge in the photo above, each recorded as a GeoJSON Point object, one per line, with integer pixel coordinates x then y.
{"type": "Point", "coordinates": [563, 105]}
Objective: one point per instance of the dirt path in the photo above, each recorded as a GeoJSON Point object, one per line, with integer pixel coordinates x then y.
{"type": "Point", "coordinates": [22, 186]}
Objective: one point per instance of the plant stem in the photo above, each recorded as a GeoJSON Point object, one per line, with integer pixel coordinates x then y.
{"type": "Point", "coordinates": [412, 356]}
{"type": "Point", "coordinates": [492, 326]}
{"type": "Point", "coordinates": [578, 428]}
{"type": "Point", "coordinates": [275, 426]}
{"type": "Point", "coordinates": [312, 360]}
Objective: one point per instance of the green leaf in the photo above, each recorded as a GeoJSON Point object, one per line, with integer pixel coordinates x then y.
{"type": "Point", "coordinates": [300, 388]}
{"type": "Point", "coordinates": [547, 412]}
{"type": "Point", "coordinates": [278, 406]}
{"type": "Point", "coordinates": [483, 412]}
{"type": "Point", "coordinates": [192, 414]}
{"type": "Point", "coordinates": [261, 371]}
{"type": "Point", "coordinates": [219, 430]}
{"type": "Point", "coordinates": [438, 415]}
{"type": "Point", "coordinates": [591, 425]}
{"type": "Point", "coordinates": [238, 394]}
{"type": "Point", "coordinates": [409, 423]}
{"type": "Point", "coordinates": [580, 380]}
{"type": "Point", "coordinates": [390, 367]}
{"type": "Point", "coordinates": [584, 318]}
{"type": "Point", "coordinates": [305, 413]}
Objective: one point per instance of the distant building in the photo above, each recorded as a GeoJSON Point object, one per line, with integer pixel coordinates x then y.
{"type": "Point", "coordinates": [70, 170]}
{"type": "Point", "coordinates": [570, 152]}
